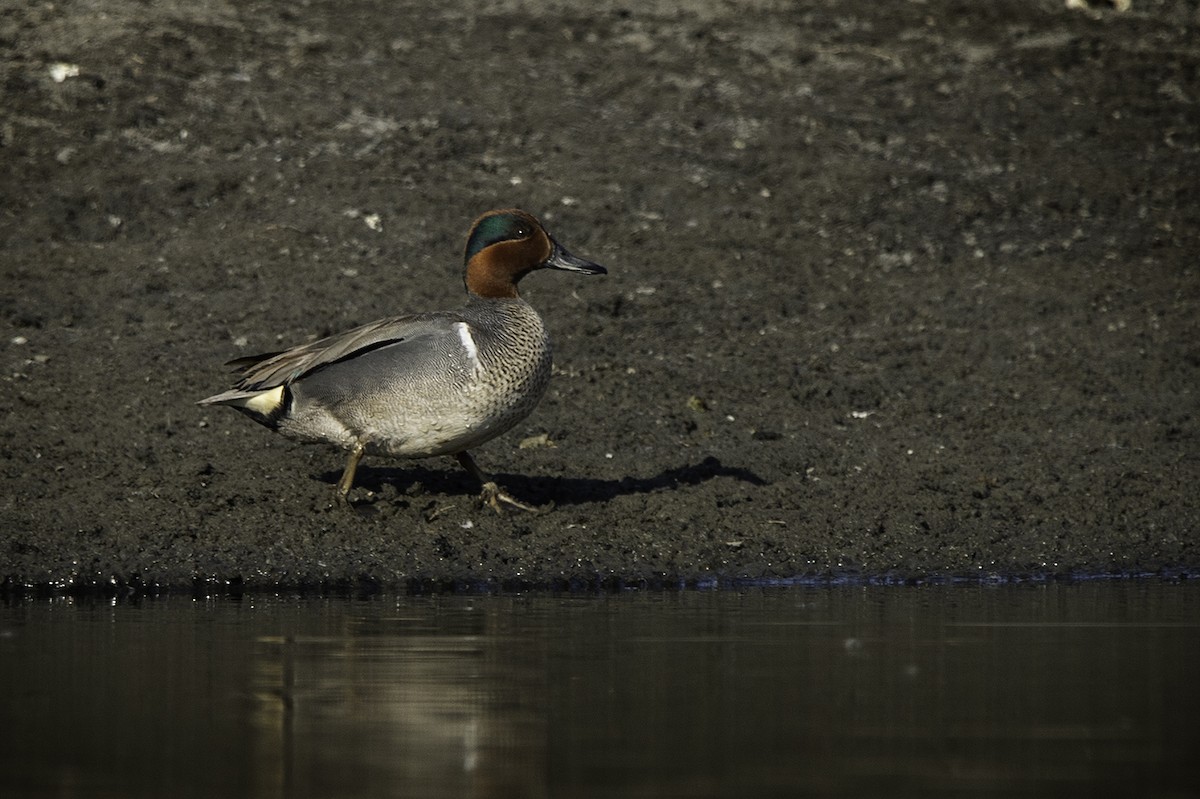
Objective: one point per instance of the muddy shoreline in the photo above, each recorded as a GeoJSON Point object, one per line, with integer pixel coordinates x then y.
{"type": "Point", "coordinates": [895, 293]}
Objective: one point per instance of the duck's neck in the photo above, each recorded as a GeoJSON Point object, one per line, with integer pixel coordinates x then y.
{"type": "Point", "coordinates": [490, 285]}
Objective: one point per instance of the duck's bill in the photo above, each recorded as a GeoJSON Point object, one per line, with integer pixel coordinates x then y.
{"type": "Point", "coordinates": [561, 259]}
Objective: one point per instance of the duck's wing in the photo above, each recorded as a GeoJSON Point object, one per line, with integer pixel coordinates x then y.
{"type": "Point", "coordinates": [272, 370]}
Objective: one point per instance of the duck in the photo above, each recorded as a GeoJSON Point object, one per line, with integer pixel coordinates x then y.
{"type": "Point", "coordinates": [423, 384]}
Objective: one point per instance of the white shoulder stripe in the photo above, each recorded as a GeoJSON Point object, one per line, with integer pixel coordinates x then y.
{"type": "Point", "coordinates": [464, 335]}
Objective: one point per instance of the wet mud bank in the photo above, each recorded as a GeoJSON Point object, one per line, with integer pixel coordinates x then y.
{"type": "Point", "coordinates": [905, 292]}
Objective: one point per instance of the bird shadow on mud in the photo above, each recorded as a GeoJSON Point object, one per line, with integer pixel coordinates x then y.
{"type": "Point", "coordinates": [543, 489]}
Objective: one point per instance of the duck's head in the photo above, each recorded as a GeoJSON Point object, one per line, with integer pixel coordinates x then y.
{"type": "Point", "coordinates": [506, 245]}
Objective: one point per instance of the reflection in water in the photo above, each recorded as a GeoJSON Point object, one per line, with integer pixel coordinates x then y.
{"type": "Point", "coordinates": [399, 700]}
{"type": "Point", "coordinates": [1036, 689]}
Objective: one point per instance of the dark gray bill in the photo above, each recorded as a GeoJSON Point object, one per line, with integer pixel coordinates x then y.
{"type": "Point", "coordinates": [561, 259]}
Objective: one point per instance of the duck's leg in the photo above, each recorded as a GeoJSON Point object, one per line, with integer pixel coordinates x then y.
{"type": "Point", "coordinates": [343, 486]}
{"type": "Point", "coordinates": [493, 495]}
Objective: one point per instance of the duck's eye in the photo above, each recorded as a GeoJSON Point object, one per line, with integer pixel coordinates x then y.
{"type": "Point", "coordinates": [522, 232]}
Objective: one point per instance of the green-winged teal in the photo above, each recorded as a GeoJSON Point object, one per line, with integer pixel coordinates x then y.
{"type": "Point", "coordinates": [439, 383]}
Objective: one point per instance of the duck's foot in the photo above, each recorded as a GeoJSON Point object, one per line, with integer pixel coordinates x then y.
{"type": "Point", "coordinates": [496, 498]}
{"type": "Point", "coordinates": [344, 503]}
{"type": "Point", "coordinates": [493, 495]}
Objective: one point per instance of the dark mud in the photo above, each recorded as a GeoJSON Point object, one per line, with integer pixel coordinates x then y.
{"type": "Point", "coordinates": [897, 290]}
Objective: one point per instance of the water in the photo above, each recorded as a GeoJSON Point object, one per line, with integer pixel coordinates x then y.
{"type": "Point", "coordinates": [1055, 690]}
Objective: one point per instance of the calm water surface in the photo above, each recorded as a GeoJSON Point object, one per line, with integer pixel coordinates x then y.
{"type": "Point", "coordinates": [1055, 690]}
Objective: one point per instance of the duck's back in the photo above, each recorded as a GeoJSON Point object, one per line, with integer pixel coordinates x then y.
{"type": "Point", "coordinates": [451, 383]}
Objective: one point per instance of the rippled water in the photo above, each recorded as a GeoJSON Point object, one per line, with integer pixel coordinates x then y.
{"type": "Point", "coordinates": [1059, 690]}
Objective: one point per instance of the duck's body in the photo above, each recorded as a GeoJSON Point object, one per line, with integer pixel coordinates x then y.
{"type": "Point", "coordinates": [426, 384]}
{"type": "Point", "coordinates": [409, 386]}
